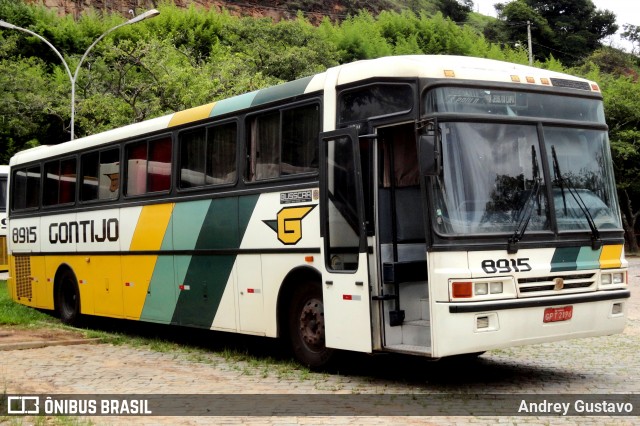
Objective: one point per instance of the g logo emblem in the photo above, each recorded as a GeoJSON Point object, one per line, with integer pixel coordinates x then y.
{"type": "Point", "coordinates": [288, 224]}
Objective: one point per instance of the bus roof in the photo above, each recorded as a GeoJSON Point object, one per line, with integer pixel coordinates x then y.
{"type": "Point", "coordinates": [409, 66]}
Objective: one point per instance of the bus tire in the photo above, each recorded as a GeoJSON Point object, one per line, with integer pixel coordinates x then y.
{"type": "Point", "coordinates": [68, 298]}
{"type": "Point", "coordinates": [306, 326]}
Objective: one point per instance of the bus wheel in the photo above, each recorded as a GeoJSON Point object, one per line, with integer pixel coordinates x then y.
{"type": "Point", "coordinates": [306, 326]}
{"type": "Point", "coordinates": [68, 298]}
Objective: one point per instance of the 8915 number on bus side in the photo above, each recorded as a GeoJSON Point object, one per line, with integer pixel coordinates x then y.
{"type": "Point", "coordinates": [24, 234]}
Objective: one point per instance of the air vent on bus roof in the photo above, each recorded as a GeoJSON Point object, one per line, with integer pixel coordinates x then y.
{"type": "Point", "coordinates": [571, 84]}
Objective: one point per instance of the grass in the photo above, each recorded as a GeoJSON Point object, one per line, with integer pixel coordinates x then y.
{"type": "Point", "coordinates": [246, 354]}
{"type": "Point", "coordinates": [12, 313]}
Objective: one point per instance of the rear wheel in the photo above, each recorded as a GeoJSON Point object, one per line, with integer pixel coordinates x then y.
{"type": "Point", "coordinates": [68, 298]}
{"type": "Point", "coordinates": [306, 326]}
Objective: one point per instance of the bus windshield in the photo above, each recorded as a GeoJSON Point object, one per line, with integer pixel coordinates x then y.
{"type": "Point", "coordinates": [493, 172]}
{"type": "Point", "coordinates": [3, 194]}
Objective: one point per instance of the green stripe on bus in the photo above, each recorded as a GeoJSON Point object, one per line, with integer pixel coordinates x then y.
{"type": "Point", "coordinates": [282, 91]}
{"type": "Point", "coordinates": [589, 258]}
{"type": "Point", "coordinates": [187, 220]}
{"type": "Point", "coordinates": [220, 226]}
{"type": "Point", "coordinates": [233, 104]}
{"type": "Point", "coordinates": [204, 285]}
{"type": "Point", "coordinates": [207, 276]}
{"type": "Point", "coordinates": [564, 259]}
{"type": "Point", "coordinates": [160, 302]}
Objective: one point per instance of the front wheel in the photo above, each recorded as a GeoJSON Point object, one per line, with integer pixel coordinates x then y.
{"type": "Point", "coordinates": [306, 326]}
{"type": "Point", "coordinates": [68, 298]}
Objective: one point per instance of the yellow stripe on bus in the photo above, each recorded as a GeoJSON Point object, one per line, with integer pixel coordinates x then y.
{"type": "Point", "coordinates": [610, 257]}
{"type": "Point", "coordinates": [151, 227]}
{"type": "Point", "coordinates": [192, 114]}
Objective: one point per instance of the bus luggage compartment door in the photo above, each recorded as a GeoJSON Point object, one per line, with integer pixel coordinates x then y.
{"type": "Point", "coordinates": [345, 280]}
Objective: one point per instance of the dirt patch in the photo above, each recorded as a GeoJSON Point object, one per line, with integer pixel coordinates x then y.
{"type": "Point", "coordinates": [16, 334]}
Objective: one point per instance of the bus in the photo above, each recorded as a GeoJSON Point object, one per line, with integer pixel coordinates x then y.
{"type": "Point", "coordinates": [4, 255]}
{"type": "Point", "coordinates": [428, 205]}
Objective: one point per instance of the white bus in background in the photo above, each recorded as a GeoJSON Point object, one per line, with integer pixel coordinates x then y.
{"type": "Point", "coordinates": [428, 205]}
{"type": "Point", "coordinates": [4, 262]}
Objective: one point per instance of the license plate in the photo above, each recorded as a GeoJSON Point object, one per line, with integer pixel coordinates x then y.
{"type": "Point", "coordinates": [558, 314]}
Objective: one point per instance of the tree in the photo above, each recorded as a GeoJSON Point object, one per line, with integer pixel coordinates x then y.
{"type": "Point", "coordinates": [632, 33]}
{"type": "Point", "coordinates": [569, 30]}
{"type": "Point", "coordinates": [621, 91]}
{"type": "Point", "coordinates": [456, 10]}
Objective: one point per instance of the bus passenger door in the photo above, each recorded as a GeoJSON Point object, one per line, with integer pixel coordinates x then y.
{"type": "Point", "coordinates": [345, 277]}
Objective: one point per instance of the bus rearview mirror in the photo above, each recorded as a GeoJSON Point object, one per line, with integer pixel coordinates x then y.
{"type": "Point", "coordinates": [429, 153]}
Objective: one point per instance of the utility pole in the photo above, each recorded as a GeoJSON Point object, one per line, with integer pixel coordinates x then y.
{"type": "Point", "coordinates": [529, 40]}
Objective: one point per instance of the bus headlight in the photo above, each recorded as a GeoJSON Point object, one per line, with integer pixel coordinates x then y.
{"type": "Point", "coordinates": [612, 278]}
{"type": "Point", "coordinates": [496, 287]}
{"type": "Point", "coordinates": [484, 288]}
{"type": "Point", "coordinates": [481, 289]}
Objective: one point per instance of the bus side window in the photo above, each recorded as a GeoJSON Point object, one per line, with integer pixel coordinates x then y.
{"type": "Point", "coordinates": [208, 156]}
{"type": "Point", "coordinates": [283, 142]}
{"type": "Point", "coordinates": [192, 158]}
{"type": "Point", "coordinates": [148, 166]}
{"type": "Point", "coordinates": [26, 190]}
{"type": "Point", "coordinates": [300, 127]}
{"type": "Point", "coordinates": [264, 153]}
{"type": "Point", "coordinates": [59, 182]}
{"type": "Point", "coordinates": [159, 166]}
{"type": "Point", "coordinates": [221, 154]}
{"type": "Point", "coordinates": [136, 162]}
{"type": "Point", "coordinates": [100, 175]}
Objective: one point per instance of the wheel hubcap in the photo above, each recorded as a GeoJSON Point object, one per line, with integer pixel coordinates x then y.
{"type": "Point", "coordinates": [312, 324]}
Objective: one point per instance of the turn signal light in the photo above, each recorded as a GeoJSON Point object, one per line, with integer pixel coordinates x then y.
{"type": "Point", "coordinates": [462, 289]}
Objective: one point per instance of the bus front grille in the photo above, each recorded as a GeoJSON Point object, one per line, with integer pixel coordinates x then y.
{"type": "Point", "coordinates": [570, 282]}
{"type": "Point", "coordinates": [23, 276]}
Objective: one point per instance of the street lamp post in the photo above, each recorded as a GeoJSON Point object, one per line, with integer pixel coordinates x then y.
{"type": "Point", "coordinates": [146, 15]}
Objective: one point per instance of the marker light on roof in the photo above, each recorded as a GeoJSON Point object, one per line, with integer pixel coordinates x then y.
{"type": "Point", "coordinates": [545, 81]}
{"type": "Point", "coordinates": [515, 79]}
{"type": "Point", "coordinates": [449, 73]}
{"type": "Point", "coordinates": [595, 87]}
{"type": "Point", "coordinates": [531, 80]}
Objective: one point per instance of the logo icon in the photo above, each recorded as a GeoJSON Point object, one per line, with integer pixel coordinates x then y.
{"type": "Point", "coordinates": [23, 405]}
{"type": "Point", "coordinates": [288, 224]}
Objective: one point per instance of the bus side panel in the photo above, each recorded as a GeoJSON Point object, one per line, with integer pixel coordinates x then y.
{"type": "Point", "coordinates": [281, 226]}
{"type": "Point", "coordinates": [206, 275]}
{"type": "Point", "coordinates": [150, 235]}
{"type": "Point", "coordinates": [42, 287]}
{"type": "Point", "coordinates": [102, 276]}
{"type": "Point", "coordinates": [162, 292]}
{"type": "Point", "coordinates": [136, 277]}
{"type": "Point", "coordinates": [54, 262]}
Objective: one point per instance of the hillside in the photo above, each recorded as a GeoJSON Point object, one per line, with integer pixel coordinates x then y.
{"type": "Point", "coordinates": [315, 10]}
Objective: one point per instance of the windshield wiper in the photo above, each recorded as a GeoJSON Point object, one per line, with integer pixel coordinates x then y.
{"type": "Point", "coordinates": [525, 216]}
{"type": "Point", "coordinates": [596, 242]}
{"type": "Point", "coordinates": [526, 210]}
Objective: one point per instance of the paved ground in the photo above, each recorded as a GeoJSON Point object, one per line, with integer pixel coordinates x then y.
{"type": "Point", "coordinates": [603, 365]}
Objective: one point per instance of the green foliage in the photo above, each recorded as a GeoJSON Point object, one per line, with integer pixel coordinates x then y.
{"type": "Point", "coordinates": [12, 313]}
{"type": "Point", "coordinates": [570, 30]}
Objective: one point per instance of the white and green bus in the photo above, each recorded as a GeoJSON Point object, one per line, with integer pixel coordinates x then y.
{"type": "Point", "coordinates": [427, 205]}
{"type": "Point", "coordinates": [4, 255]}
